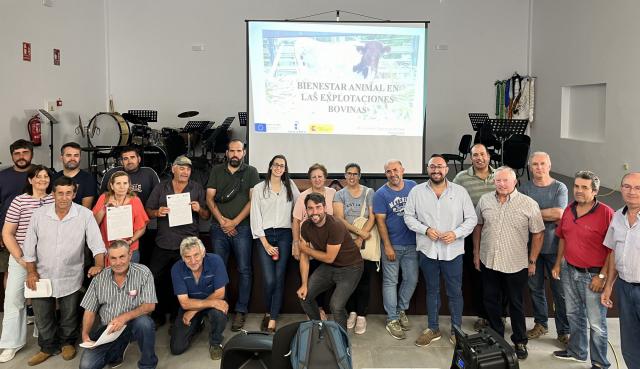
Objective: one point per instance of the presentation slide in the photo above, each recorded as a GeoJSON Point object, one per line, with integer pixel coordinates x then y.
{"type": "Point", "coordinates": [335, 93]}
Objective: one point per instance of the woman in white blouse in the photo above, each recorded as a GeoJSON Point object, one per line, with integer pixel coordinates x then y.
{"type": "Point", "coordinates": [271, 207]}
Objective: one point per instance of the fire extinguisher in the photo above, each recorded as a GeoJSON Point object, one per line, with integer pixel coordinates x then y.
{"type": "Point", "coordinates": [35, 130]}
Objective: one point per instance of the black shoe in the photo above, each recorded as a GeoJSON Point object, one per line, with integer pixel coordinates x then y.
{"type": "Point", "coordinates": [521, 351]}
{"type": "Point", "coordinates": [238, 321]}
{"type": "Point", "coordinates": [564, 355]}
{"type": "Point", "coordinates": [159, 320]}
{"type": "Point", "coordinates": [265, 323]}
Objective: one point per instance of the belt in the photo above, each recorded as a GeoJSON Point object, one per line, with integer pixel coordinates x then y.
{"type": "Point", "coordinates": [631, 283]}
{"type": "Point", "coordinates": [592, 270]}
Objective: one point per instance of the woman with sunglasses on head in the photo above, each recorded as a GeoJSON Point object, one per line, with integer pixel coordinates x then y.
{"type": "Point", "coordinates": [14, 323]}
{"type": "Point", "coordinates": [271, 208]}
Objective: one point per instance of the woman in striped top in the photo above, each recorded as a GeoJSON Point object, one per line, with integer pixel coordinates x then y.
{"type": "Point", "coordinates": [120, 194]}
{"type": "Point", "coordinates": [14, 324]}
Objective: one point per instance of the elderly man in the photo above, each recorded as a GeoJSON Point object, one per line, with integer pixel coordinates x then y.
{"type": "Point", "coordinates": [506, 218]}
{"type": "Point", "coordinates": [70, 155]}
{"type": "Point", "coordinates": [399, 244]}
{"type": "Point", "coordinates": [552, 197]}
{"type": "Point", "coordinates": [477, 180]}
{"type": "Point", "coordinates": [199, 281]}
{"type": "Point", "coordinates": [228, 197]}
{"type": "Point", "coordinates": [54, 249]}
{"type": "Point", "coordinates": [623, 238]}
{"type": "Point", "coordinates": [581, 231]}
{"type": "Point", "coordinates": [167, 250]}
{"type": "Point", "coordinates": [442, 215]}
{"type": "Point", "coordinates": [122, 295]}
{"type": "Point", "coordinates": [327, 240]}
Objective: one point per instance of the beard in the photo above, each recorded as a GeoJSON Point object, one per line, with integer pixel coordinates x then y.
{"type": "Point", "coordinates": [71, 165]}
{"type": "Point", "coordinates": [22, 164]}
{"type": "Point", "coordinates": [234, 162]}
{"type": "Point", "coordinates": [437, 181]}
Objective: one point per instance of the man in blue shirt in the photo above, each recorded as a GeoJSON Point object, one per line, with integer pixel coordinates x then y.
{"type": "Point", "coordinates": [399, 248]}
{"type": "Point", "coordinates": [199, 281]}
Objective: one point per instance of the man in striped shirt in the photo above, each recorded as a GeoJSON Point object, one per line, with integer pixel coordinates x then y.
{"type": "Point", "coordinates": [122, 296]}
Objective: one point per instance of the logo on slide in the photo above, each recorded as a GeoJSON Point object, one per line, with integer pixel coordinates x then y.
{"type": "Point", "coordinates": [260, 127]}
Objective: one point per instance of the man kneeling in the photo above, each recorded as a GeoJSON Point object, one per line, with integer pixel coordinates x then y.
{"type": "Point", "coordinates": [123, 295]}
{"type": "Point", "coordinates": [199, 281]}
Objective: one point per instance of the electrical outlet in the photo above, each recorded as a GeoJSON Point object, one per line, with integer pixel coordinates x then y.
{"type": "Point", "coordinates": [625, 166]}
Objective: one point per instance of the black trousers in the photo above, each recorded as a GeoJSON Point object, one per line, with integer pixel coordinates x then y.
{"type": "Point", "coordinates": [497, 285]}
{"type": "Point", "coordinates": [473, 279]}
{"type": "Point", "coordinates": [359, 300]}
{"type": "Point", "coordinates": [160, 265]}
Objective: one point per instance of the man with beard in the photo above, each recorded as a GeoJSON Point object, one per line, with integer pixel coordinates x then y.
{"type": "Point", "coordinates": [168, 239]}
{"type": "Point", "coordinates": [229, 200]}
{"type": "Point", "coordinates": [327, 240]}
{"type": "Point", "coordinates": [442, 215]}
{"type": "Point", "coordinates": [506, 220]}
{"type": "Point", "coordinates": [142, 180]}
{"type": "Point", "coordinates": [477, 180]}
{"type": "Point", "coordinates": [87, 188]}
{"type": "Point", "coordinates": [12, 182]}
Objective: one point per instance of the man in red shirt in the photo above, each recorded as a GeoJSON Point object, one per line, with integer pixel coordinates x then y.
{"type": "Point", "coordinates": [581, 232]}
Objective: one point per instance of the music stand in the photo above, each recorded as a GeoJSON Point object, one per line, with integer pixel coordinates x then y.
{"type": "Point", "coordinates": [242, 117]}
{"type": "Point", "coordinates": [503, 129]}
{"type": "Point", "coordinates": [195, 126]}
{"type": "Point", "coordinates": [52, 121]}
{"type": "Point", "coordinates": [145, 115]}
{"type": "Point", "coordinates": [477, 120]}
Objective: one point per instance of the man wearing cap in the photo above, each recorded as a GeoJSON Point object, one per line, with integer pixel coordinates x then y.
{"type": "Point", "coordinates": [167, 250]}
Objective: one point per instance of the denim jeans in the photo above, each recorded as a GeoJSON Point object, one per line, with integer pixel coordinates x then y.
{"type": "Point", "coordinates": [629, 309]}
{"type": "Point", "coordinates": [274, 272]}
{"type": "Point", "coordinates": [14, 322]}
{"type": "Point", "coordinates": [544, 264]}
{"type": "Point", "coordinates": [394, 299]}
{"type": "Point", "coordinates": [240, 245]}
{"type": "Point", "coordinates": [452, 274]}
{"type": "Point", "coordinates": [53, 333]}
{"type": "Point", "coordinates": [140, 329]}
{"type": "Point", "coordinates": [584, 310]}
{"type": "Point", "coordinates": [345, 279]}
{"type": "Point", "coordinates": [182, 335]}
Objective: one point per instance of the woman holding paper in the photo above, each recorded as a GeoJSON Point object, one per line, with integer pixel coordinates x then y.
{"type": "Point", "coordinates": [271, 206]}
{"type": "Point", "coordinates": [119, 195]}
{"type": "Point", "coordinates": [14, 323]}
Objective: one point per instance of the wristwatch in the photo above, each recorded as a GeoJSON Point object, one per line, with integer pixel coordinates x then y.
{"type": "Point", "coordinates": [532, 262]}
{"type": "Point", "coordinates": [602, 276]}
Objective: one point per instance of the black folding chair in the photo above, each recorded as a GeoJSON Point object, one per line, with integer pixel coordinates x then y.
{"type": "Point", "coordinates": [464, 148]}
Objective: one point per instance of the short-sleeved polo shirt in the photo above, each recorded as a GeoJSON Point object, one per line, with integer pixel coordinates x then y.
{"type": "Point", "coordinates": [214, 276]}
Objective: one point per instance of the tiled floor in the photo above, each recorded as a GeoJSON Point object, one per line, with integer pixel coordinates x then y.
{"type": "Point", "coordinates": [375, 349]}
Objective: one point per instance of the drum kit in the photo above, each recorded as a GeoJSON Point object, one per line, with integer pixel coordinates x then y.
{"type": "Point", "coordinates": [108, 133]}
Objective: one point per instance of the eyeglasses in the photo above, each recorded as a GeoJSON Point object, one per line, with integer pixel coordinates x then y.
{"type": "Point", "coordinates": [628, 187]}
{"type": "Point", "coordinates": [351, 174]}
{"type": "Point", "coordinates": [438, 167]}
{"type": "Point", "coordinates": [279, 166]}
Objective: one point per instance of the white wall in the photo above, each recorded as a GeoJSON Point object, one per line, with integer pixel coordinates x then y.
{"type": "Point", "coordinates": [76, 27]}
{"type": "Point", "coordinates": [152, 66]}
{"type": "Point", "coordinates": [583, 42]}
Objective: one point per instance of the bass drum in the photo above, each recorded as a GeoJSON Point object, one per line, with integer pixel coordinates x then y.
{"type": "Point", "coordinates": [155, 157]}
{"type": "Point", "coordinates": [108, 129]}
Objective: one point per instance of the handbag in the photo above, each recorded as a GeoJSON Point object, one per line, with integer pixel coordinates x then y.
{"type": "Point", "coordinates": [370, 249]}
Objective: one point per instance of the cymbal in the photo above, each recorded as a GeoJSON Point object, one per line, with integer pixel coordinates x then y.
{"type": "Point", "coordinates": [188, 114]}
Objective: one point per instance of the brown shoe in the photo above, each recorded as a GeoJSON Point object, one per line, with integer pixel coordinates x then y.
{"type": "Point", "coordinates": [537, 331]}
{"type": "Point", "coordinates": [38, 358]}
{"type": "Point", "coordinates": [427, 337]}
{"type": "Point", "coordinates": [68, 352]}
{"type": "Point", "coordinates": [564, 339]}
{"type": "Point", "coordinates": [265, 323]}
{"type": "Point", "coordinates": [238, 322]}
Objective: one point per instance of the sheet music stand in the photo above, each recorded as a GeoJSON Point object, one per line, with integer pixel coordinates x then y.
{"type": "Point", "coordinates": [242, 117]}
{"type": "Point", "coordinates": [195, 126]}
{"type": "Point", "coordinates": [145, 115]}
{"type": "Point", "coordinates": [477, 120]}
{"type": "Point", "coordinates": [503, 129]}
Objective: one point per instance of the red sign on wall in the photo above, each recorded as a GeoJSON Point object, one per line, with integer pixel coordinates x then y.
{"type": "Point", "coordinates": [56, 56]}
{"type": "Point", "coordinates": [26, 51]}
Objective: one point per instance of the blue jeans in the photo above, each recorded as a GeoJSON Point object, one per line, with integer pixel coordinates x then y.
{"type": "Point", "coordinates": [452, 274]}
{"type": "Point", "coordinates": [629, 309]}
{"type": "Point", "coordinates": [584, 310]}
{"type": "Point", "coordinates": [140, 329]}
{"type": "Point", "coordinates": [274, 272]}
{"type": "Point", "coordinates": [240, 244]}
{"type": "Point", "coordinates": [544, 264]}
{"type": "Point", "coordinates": [395, 300]}
{"type": "Point", "coordinates": [182, 335]}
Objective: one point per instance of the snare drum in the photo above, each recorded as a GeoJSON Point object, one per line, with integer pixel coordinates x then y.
{"type": "Point", "coordinates": [155, 157]}
{"type": "Point", "coordinates": [108, 129]}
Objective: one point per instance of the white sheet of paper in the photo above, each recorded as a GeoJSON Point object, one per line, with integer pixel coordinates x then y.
{"type": "Point", "coordinates": [43, 289]}
{"type": "Point", "coordinates": [179, 205]}
{"type": "Point", "coordinates": [119, 222]}
{"type": "Point", "coordinates": [104, 338]}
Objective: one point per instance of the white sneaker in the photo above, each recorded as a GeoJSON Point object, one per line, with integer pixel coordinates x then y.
{"type": "Point", "coordinates": [361, 325]}
{"type": "Point", "coordinates": [351, 321]}
{"type": "Point", "coordinates": [8, 354]}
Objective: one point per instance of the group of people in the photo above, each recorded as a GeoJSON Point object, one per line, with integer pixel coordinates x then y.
{"type": "Point", "coordinates": [478, 224]}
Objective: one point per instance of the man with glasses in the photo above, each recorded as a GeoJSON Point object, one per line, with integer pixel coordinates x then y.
{"type": "Point", "coordinates": [582, 231]}
{"type": "Point", "coordinates": [623, 238]}
{"type": "Point", "coordinates": [442, 215]}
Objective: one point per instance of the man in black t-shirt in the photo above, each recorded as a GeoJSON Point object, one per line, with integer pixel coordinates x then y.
{"type": "Point", "coordinates": [327, 240]}
{"type": "Point", "coordinates": [87, 187]}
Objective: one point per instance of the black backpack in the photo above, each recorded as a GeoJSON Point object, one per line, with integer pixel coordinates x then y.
{"type": "Point", "coordinates": [321, 345]}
